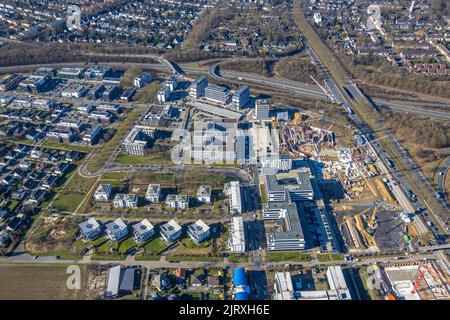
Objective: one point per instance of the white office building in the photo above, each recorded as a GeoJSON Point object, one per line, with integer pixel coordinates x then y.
{"type": "Point", "coordinates": [283, 287]}
{"type": "Point", "coordinates": [163, 95]}
{"type": "Point", "coordinates": [236, 242]}
{"type": "Point", "coordinates": [278, 162]}
{"type": "Point", "coordinates": [197, 89]}
{"type": "Point", "coordinates": [142, 80]}
{"type": "Point", "coordinates": [241, 97]}
{"type": "Point", "coordinates": [172, 84]}
{"type": "Point", "coordinates": [138, 139]}
{"type": "Point", "coordinates": [218, 94]}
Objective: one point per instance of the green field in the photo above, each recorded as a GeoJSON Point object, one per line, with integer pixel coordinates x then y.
{"type": "Point", "coordinates": [33, 282]}
{"type": "Point", "coordinates": [151, 158]}
{"type": "Point", "coordinates": [73, 193]}
{"type": "Point", "coordinates": [115, 176]}
{"type": "Point", "coordinates": [52, 144]}
{"type": "Point", "coordinates": [287, 256]}
{"type": "Point", "coordinates": [193, 258]}
{"type": "Point", "coordinates": [154, 246]}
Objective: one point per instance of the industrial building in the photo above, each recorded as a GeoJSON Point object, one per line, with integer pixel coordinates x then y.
{"type": "Point", "coordinates": [284, 288]}
{"type": "Point", "coordinates": [241, 97]}
{"type": "Point", "coordinates": [119, 281]}
{"type": "Point", "coordinates": [218, 94]}
{"type": "Point", "coordinates": [236, 242]}
{"type": "Point", "coordinates": [138, 140]}
{"type": "Point", "coordinates": [197, 89]}
{"type": "Point", "coordinates": [233, 191]}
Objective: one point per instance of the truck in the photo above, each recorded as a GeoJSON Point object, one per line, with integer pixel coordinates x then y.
{"type": "Point", "coordinates": [390, 163]}
{"type": "Point", "coordinates": [437, 195]}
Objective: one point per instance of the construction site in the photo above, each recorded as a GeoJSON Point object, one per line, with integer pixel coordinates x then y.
{"type": "Point", "coordinates": [366, 210]}
{"type": "Point", "coordinates": [421, 280]}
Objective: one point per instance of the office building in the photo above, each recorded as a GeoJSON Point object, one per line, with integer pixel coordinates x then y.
{"type": "Point", "coordinates": [287, 234]}
{"type": "Point", "coordinates": [138, 140]}
{"type": "Point", "coordinates": [93, 135]}
{"type": "Point", "coordinates": [197, 89]}
{"type": "Point", "coordinates": [262, 109]}
{"type": "Point", "coordinates": [70, 73]}
{"type": "Point", "coordinates": [142, 80]}
{"type": "Point", "coordinates": [97, 73]}
{"type": "Point", "coordinates": [163, 94]}
{"type": "Point", "coordinates": [172, 83]}
{"type": "Point", "coordinates": [241, 97]}
{"type": "Point", "coordinates": [218, 94]}
{"type": "Point", "coordinates": [198, 231]}
{"type": "Point", "coordinates": [236, 241]}
{"type": "Point", "coordinates": [283, 287]}
{"type": "Point", "coordinates": [128, 94]}
{"type": "Point", "coordinates": [278, 162]}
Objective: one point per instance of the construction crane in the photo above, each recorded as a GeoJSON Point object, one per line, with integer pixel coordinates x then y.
{"type": "Point", "coordinates": [423, 269]}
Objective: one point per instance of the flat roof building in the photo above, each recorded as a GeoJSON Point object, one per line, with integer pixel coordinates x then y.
{"type": "Point", "coordinates": [199, 231]}
{"type": "Point", "coordinates": [116, 230]}
{"type": "Point", "coordinates": [262, 109]}
{"type": "Point", "coordinates": [143, 231]}
{"type": "Point", "coordinates": [233, 191]}
{"type": "Point", "coordinates": [218, 94]}
{"type": "Point", "coordinates": [170, 231]}
{"type": "Point", "coordinates": [153, 193]}
{"type": "Point", "coordinates": [204, 194]}
{"type": "Point", "coordinates": [197, 89]}
{"type": "Point", "coordinates": [236, 241]}
{"type": "Point", "coordinates": [138, 139]}
{"type": "Point", "coordinates": [90, 229]}
{"type": "Point", "coordinates": [241, 97]}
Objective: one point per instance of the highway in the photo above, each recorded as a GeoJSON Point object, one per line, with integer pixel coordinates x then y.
{"type": "Point", "coordinates": [311, 91]}
{"type": "Point", "coordinates": [443, 171]}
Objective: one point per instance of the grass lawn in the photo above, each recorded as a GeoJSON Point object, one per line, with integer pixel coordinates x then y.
{"type": "Point", "coordinates": [107, 257]}
{"type": "Point", "coordinates": [92, 243]}
{"type": "Point", "coordinates": [287, 256]}
{"type": "Point", "coordinates": [38, 282]}
{"type": "Point", "coordinates": [193, 258]}
{"type": "Point", "coordinates": [73, 193]}
{"type": "Point", "coordinates": [151, 158]}
{"type": "Point", "coordinates": [52, 144]}
{"type": "Point", "coordinates": [237, 257]}
{"type": "Point", "coordinates": [127, 245]}
{"type": "Point", "coordinates": [63, 255]}
{"type": "Point", "coordinates": [115, 176]}
{"type": "Point", "coordinates": [154, 246]}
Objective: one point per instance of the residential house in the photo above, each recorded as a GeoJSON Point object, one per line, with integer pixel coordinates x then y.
{"type": "Point", "coordinates": [90, 229]}
{"type": "Point", "coordinates": [204, 194]}
{"type": "Point", "coordinates": [170, 231]}
{"type": "Point", "coordinates": [103, 192]}
{"type": "Point", "coordinates": [143, 231]}
{"type": "Point", "coordinates": [116, 229]}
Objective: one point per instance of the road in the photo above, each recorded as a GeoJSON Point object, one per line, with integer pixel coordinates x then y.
{"type": "Point", "coordinates": [441, 176]}
{"type": "Point", "coordinates": [311, 91]}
